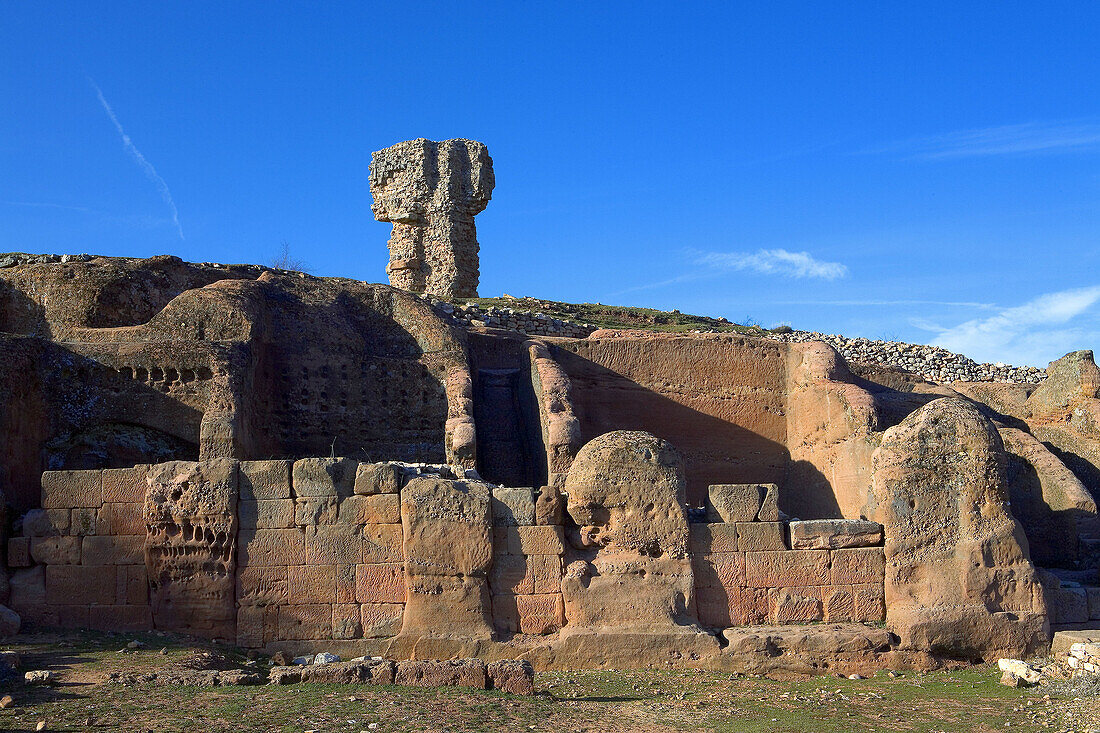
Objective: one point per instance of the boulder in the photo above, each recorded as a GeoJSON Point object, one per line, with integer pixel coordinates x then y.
{"type": "Point", "coordinates": [514, 676]}
{"type": "Point", "coordinates": [9, 622]}
{"type": "Point", "coordinates": [959, 580]}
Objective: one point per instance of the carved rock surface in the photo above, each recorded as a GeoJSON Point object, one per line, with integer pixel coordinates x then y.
{"type": "Point", "coordinates": [626, 494]}
{"type": "Point", "coordinates": [448, 549]}
{"type": "Point", "coordinates": [959, 580]}
{"type": "Point", "coordinates": [190, 548]}
{"type": "Point", "coordinates": [431, 191]}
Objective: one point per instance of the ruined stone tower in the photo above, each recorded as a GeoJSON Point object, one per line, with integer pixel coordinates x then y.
{"type": "Point", "coordinates": [431, 192]}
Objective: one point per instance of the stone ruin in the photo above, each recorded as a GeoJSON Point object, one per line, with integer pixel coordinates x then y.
{"type": "Point", "coordinates": [431, 191]}
{"type": "Point", "coordinates": [302, 464]}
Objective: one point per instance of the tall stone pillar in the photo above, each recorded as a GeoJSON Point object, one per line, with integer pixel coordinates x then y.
{"type": "Point", "coordinates": [431, 192]}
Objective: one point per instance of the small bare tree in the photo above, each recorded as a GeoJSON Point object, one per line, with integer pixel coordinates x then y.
{"type": "Point", "coordinates": [286, 261]}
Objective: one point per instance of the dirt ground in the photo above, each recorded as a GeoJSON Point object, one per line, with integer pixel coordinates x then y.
{"type": "Point", "coordinates": [607, 702]}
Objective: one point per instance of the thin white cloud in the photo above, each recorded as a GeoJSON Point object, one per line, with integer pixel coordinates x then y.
{"type": "Point", "coordinates": [1031, 334]}
{"type": "Point", "coordinates": [1030, 137]}
{"type": "Point", "coordinates": [774, 262]}
{"type": "Point", "coordinates": [145, 165]}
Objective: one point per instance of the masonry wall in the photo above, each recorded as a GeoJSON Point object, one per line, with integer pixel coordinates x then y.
{"type": "Point", "coordinates": [318, 554]}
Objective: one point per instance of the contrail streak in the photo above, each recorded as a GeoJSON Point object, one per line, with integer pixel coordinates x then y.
{"type": "Point", "coordinates": [146, 166]}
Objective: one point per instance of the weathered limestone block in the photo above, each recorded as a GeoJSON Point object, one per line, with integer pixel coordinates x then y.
{"type": "Point", "coordinates": [514, 676]}
{"type": "Point", "coordinates": [262, 480]}
{"type": "Point", "coordinates": [1067, 603]}
{"type": "Point", "coordinates": [529, 540]}
{"type": "Point", "coordinates": [19, 552]}
{"type": "Point", "coordinates": [311, 583]}
{"type": "Point", "coordinates": [124, 485]}
{"type": "Point", "coordinates": [1069, 380]}
{"type": "Point", "coordinates": [69, 489]}
{"type": "Point", "coordinates": [190, 548]}
{"type": "Point", "coordinates": [305, 621]}
{"type": "Point", "coordinates": [271, 547]}
{"type": "Point", "coordinates": [113, 550]}
{"type": "Point", "coordinates": [82, 521]}
{"type": "Point", "coordinates": [377, 478]}
{"type": "Point", "coordinates": [56, 550]}
{"type": "Point", "coordinates": [448, 551]}
{"type": "Point", "coordinates": [549, 506]}
{"type": "Point", "coordinates": [958, 576]}
{"type": "Point", "coordinates": [374, 509]}
{"type": "Point", "coordinates": [380, 620]}
{"type": "Point", "coordinates": [46, 522]}
{"type": "Point", "coordinates": [120, 519]}
{"type": "Point", "coordinates": [786, 606]}
{"type": "Point", "coordinates": [761, 536]}
{"type": "Point", "coordinates": [265, 514]}
{"type": "Point", "coordinates": [783, 569]}
{"type": "Point", "coordinates": [315, 511]}
{"type": "Point", "coordinates": [719, 570]}
{"type": "Point", "coordinates": [442, 673]}
{"type": "Point", "coordinates": [262, 586]}
{"type": "Point", "coordinates": [831, 534]}
{"type": "Point", "coordinates": [734, 502]}
{"type": "Point", "coordinates": [380, 583]}
{"type": "Point", "coordinates": [857, 565]}
{"type": "Point", "coordinates": [513, 507]}
{"type": "Point", "coordinates": [431, 191]}
{"type": "Point", "coordinates": [626, 494]}
{"type": "Point", "coordinates": [707, 538]}
{"type": "Point", "coordinates": [323, 477]}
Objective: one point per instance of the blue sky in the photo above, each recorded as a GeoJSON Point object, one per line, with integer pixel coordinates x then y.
{"type": "Point", "coordinates": [927, 172]}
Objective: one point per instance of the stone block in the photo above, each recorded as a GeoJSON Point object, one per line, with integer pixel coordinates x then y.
{"type": "Point", "coordinates": [380, 583]}
{"type": "Point", "coordinates": [82, 522]}
{"type": "Point", "coordinates": [442, 673]}
{"type": "Point", "coordinates": [303, 622]}
{"type": "Point", "coordinates": [513, 507]}
{"type": "Point", "coordinates": [761, 536]}
{"type": "Point", "coordinates": [856, 565]}
{"type": "Point", "coordinates": [1092, 595]}
{"type": "Point", "coordinates": [260, 480]}
{"type": "Point", "coordinates": [346, 621]}
{"type": "Point", "coordinates": [121, 618]}
{"type": "Point", "coordinates": [549, 506]}
{"type": "Point", "coordinates": [505, 613]}
{"type": "Point", "coordinates": [96, 585]}
{"type": "Point", "coordinates": [786, 569]}
{"type": "Point", "coordinates": [250, 626]}
{"type": "Point", "coordinates": [870, 603]}
{"type": "Point", "coordinates": [318, 477]}
{"type": "Point", "coordinates": [540, 614]}
{"type": "Point", "coordinates": [56, 550]}
{"type": "Point", "coordinates": [311, 583]}
{"type": "Point", "coordinates": [345, 583]}
{"type": "Point", "coordinates": [546, 571]}
{"type": "Point", "coordinates": [46, 522]}
{"type": "Point", "coordinates": [72, 489]}
{"type": "Point", "coordinates": [125, 485]}
{"type": "Point", "coordinates": [511, 574]}
{"type": "Point", "coordinates": [316, 511]}
{"type": "Point", "coordinates": [377, 478]}
{"type": "Point", "coordinates": [262, 586]}
{"type": "Point", "coordinates": [372, 509]}
{"type": "Point", "coordinates": [19, 552]}
{"type": "Point", "coordinates": [718, 607]}
{"type": "Point", "coordinates": [734, 502]}
{"type": "Point", "coordinates": [381, 543]}
{"type": "Point", "coordinates": [268, 547]}
{"type": "Point", "coordinates": [787, 607]}
{"type": "Point", "coordinates": [838, 605]}
{"type": "Point", "coordinates": [120, 518]}
{"type": "Point", "coordinates": [28, 590]}
{"type": "Point", "coordinates": [266, 514]}
{"type": "Point", "coordinates": [831, 534]}
{"type": "Point", "coordinates": [76, 616]}
{"type": "Point", "coordinates": [380, 620]}
{"type": "Point", "coordinates": [1067, 604]}
{"type": "Point", "coordinates": [704, 539]}
{"type": "Point", "coordinates": [131, 585]}
{"type": "Point", "coordinates": [114, 550]}
{"type": "Point", "coordinates": [514, 676]}
{"type": "Point", "coordinates": [335, 544]}
{"type": "Point", "coordinates": [719, 570]}
{"type": "Point", "coordinates": [529, 540]}
{"type": "Point", "coordinates": [769, 506]}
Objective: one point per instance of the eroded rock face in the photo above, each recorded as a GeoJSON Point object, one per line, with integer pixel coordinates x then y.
{"type": "Point", "coordinates": [431, 191]}
{"type": "Point", "coordinates": [626, 495]}
{"type": "Point", "coordinates": [959, 580]}
{"type": "Point", "coordinates": [190, 546]}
